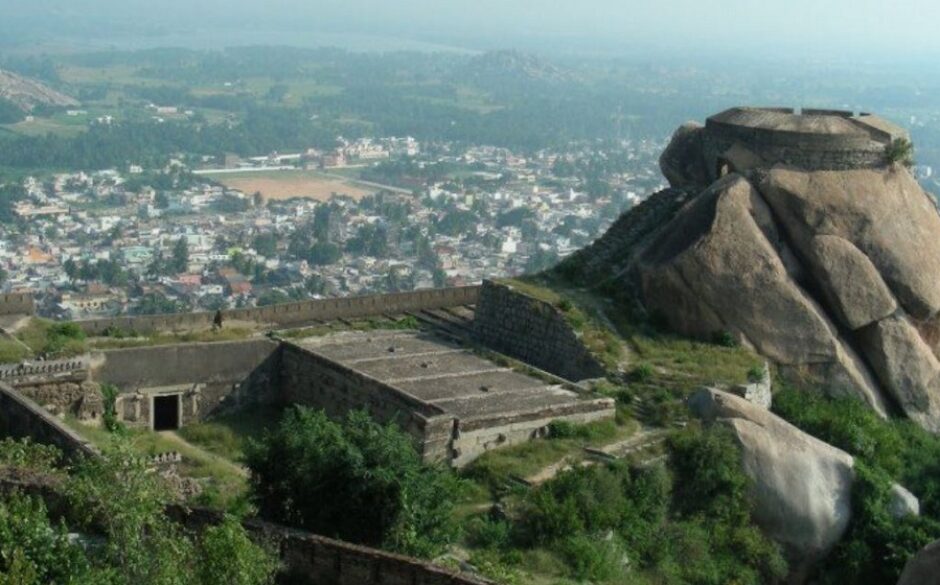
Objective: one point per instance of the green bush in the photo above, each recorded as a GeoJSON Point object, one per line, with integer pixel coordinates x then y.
{"type": "Point", "coordinates": [35, 551]}
{"type": "Point", "coordinates": [109, 394]}
{"type": "Point", "coordinates": [592, 558]}
{"type": "Point", "coordinates": [119, 497]}
{"type": "Point", "coordinates": [24, 453]}
{"type": "Point", "coordinates": [876, 545]}
{"type": "Point", "coordinates": [356, 480]}
{"type": "Point", "coordinates": [63, 339]}
{"type": "Point", "coordinates": [710, 481]}
{"type": "Point", "coordinates": [641, 373]}
{"type": "Point", "coordinates": [593, 518]}
{"type": "Point", "coordinates": [724, 339]}
{"type": "Point", "coordinates": [900, 150]}
{"type": "Point", "coordinates": [900, 448]}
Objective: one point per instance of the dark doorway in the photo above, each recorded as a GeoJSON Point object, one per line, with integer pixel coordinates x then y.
{"type": "Point", "coordinates": [166, 412]}
{"type": "Point", "coordinates": [724, 167]}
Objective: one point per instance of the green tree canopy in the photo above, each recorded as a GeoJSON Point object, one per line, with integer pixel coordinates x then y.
{"type": "Point", "coordinates": [355, 480]}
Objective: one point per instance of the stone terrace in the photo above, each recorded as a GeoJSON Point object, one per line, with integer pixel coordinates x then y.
{"type": "Point", "coordinates": [491, 405]}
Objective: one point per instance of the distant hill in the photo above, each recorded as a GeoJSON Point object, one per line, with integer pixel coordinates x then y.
{"type": "Point", "coordinates": [27, 94]}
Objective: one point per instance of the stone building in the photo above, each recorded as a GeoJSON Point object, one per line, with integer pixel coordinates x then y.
{"type": "Point", "coordinates": [744, 138]}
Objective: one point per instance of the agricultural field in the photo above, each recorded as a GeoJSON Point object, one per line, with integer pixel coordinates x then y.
{"type": "Point", "coordinates": [279, 185]}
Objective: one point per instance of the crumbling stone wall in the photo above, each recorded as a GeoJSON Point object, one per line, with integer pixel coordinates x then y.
{"type": "Point", "coordinates": [21, 417]}
{"type": "Point", "coordinates": [532, 331]}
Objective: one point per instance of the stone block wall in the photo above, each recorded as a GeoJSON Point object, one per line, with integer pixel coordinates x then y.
{"type": "Point", "coordinates": [295, 314]}
{"type": "Point", "coordinates": [21, 417]}
{"type": "Point", "coordinates": [209, 376]}
{"type": "Point", "coordinates": [532, 331]}
{"type": "Point", "coordinates": [17, 304]}
{"type": "Point", "coordinates": [475, 436]}
{"type": "Point", "coordinates": [312, 380]}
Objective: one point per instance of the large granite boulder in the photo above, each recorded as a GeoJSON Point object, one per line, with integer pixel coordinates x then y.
{"type": "Point", "coordinates": [834, 275]}
{"type": "Point", "coordinates": [802, 486]}
{"type": "Point", "coordinates": [924, 568]}
{"type": "Point", "coordinates": [883, 212]}
{"type": "Point", "coordinates": [721, 265]}
{"type": "Point", "coordinates": [682, 163]}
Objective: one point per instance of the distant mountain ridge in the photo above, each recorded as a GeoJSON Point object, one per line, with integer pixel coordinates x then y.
{"type": "Point", "coordinates": [28, 93]}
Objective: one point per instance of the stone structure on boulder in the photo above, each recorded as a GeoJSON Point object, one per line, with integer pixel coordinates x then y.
{"type": "Point", "coordinates": [793, 233]}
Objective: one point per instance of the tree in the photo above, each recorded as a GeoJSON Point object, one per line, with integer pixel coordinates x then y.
{"type": "Point", "coordinates": [157, 304]}
{"type": "Point", "coordinates": [324, 253]}
{"type": "Point", "coordinates": [273, 297]}
{"type": "Point", "coordinates": [356, 480]}
{"type": "Point", "coordinates": [180, 255]}
{"type": "Point", "coordinates": [265, 244]}
{"type": "Point", "coordinates": [118, 494]}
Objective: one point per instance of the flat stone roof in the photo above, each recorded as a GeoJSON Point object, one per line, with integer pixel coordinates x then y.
{"type": "Point", "coordinates": [438, 371]}
{"type": "Point", "coordinates": [810, 121]}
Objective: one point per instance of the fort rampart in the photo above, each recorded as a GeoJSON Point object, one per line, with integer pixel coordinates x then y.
{"type": "Point", "coordinates": [17, 304]}
{"type": "Point", "coordinates": [531, 331]}
{"type": "Point", "coordinates": [295, 314]}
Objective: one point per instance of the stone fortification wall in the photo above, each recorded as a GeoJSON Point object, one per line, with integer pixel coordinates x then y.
{"type": "Point", "coordinates": [294, 314]}
{"type": "Point", "coordinates": [532, 331]}
{"type": "Point", "coordinates": [17, 304]}
{"type": "Point", "coordinates": [21, 417]}
{"type": "Point", "coordinates": [791, 151]}
{"type": "Point", "coordinates": [210, 376]}
{"type": "Point", "coordinates": [312, 380]}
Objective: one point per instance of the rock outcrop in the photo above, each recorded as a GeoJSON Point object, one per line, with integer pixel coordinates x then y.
{"type": "Point", "coordinates": [802, 486]}
{"type": "Point", "coordinates": [924, 568]}
{"type": "Point", "coordinates": [834, 275]}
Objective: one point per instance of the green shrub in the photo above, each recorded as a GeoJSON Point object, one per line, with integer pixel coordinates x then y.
{"type": "Point", "coordinates": [596, 431]}
{"type": "Point", "coordinates": [489, 532]}
{"type": "Point", "coordinates": [641, 373]}
{"type": "Point", "coordinates": [109, 395]}
{"type": "Point", "coordinates": [709, 478]}
{"type": "Point", "coordinates": [592, 558]}
{"type": "Point", "coordinates": [356, 480]}
{"type": "Point", "coordinates": [756, 375]}
{"type": "Point", "coordinates": [724, 339]}
{"type": "Point", "coordinates": [25, 453]}
{"type": "Point", "coordinates": [227, 557]}
{"type": "Point", "coordinates": [900, 150]}
{"type": "Point", "coordinates": [58, 339]}
{"type": "Point", "coordinates": [903, 450]}
{"type": "Point", "coordinates": [876, 545]}
{"type": "Point", "coordinates": [35, 551]}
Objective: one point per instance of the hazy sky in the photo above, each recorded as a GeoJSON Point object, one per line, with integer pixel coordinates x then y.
{"type": "Point", "coordinates": [898, 27]}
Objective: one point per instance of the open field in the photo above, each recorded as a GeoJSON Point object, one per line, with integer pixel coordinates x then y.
{"type": "Point", "coordinates": [290, 184]}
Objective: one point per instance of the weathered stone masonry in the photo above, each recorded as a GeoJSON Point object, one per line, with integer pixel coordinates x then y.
{"type": "Point", "coordinates": [455, 403]}
{"type": "Point", "coordinates": [532, 331]}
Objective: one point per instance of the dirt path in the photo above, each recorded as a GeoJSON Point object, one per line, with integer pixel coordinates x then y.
{"type": "Point", "coordinates": [176, 438]}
